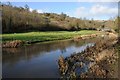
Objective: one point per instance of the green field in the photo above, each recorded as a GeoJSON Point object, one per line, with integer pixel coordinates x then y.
{"type": "Point", "coordinates": [45, 36]}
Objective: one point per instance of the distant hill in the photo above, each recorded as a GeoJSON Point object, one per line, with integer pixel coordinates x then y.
{"type": "Point", "coordinates": [19, 19]}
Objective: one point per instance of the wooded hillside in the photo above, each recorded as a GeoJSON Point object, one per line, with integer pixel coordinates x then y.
{"type": "Point", "coordinates": [21, 19]}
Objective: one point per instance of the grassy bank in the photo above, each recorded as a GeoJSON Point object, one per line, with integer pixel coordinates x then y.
{"type": "Point", "coordinates": [45, 36]}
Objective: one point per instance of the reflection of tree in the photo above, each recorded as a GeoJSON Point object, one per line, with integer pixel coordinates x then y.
{"type": "Point", "coordinates": [27, 52]}
{"type": "Point", "coordinates": [63, 50]}
{"type": "Point", "coordinates": [13, 55]}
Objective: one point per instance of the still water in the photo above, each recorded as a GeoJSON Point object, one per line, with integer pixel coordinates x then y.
{"type": "Point", "coordinates": [39, 60]}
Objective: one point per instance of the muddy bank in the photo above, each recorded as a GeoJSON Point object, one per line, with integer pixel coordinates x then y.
{"type": "Point", "coordinates": [77, 38]}
{"type": "Point", "coordinates": [12, 44]}
{"type": "Point", "coordinates": [99, 61]}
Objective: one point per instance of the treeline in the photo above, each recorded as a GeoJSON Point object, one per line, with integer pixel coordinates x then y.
{"type": "Point", "coordinates": [21, 19]}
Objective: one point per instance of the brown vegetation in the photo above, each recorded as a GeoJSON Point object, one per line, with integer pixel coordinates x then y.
{"type": "Point", "coordinates": [12, 44]}
{"type": "Point", "coordinates": [63, 66]}
{"type": "Point", "coordinates": [82, 37]}
{"type": "Point", "coordinates": [103, 51]}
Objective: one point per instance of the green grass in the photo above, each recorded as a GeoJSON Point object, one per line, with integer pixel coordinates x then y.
{"type": "Point", "coordinates": [45, 36]}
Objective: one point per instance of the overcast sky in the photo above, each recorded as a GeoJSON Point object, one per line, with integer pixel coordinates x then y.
{"type": "Point", "coordinates": [96, 10]}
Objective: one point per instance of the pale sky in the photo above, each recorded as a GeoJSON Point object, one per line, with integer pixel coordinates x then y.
{"type": "Point", "coordinates": [96, 10]}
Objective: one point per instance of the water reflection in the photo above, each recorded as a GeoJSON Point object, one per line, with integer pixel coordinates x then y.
{"type": "Point", "coordinates": [38, 60]}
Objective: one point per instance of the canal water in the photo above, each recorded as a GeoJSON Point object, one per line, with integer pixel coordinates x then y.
{"type": "Point", "coordinates": [39, 60]}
